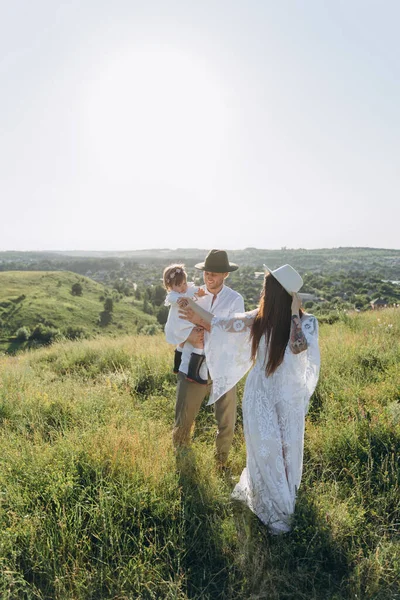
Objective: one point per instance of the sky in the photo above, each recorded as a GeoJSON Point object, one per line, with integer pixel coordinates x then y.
{"type": "Point", "coordinates": [216, 124]}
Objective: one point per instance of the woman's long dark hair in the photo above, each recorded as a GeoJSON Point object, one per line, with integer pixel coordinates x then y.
{"type": "Point", "coordinates": [273, 320]}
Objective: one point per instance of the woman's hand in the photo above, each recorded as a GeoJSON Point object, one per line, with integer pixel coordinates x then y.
{"type": "Point", "coordinates": [185, 312]}
{"type": "Point", "coordinates": [296, 304]}
{"type": "Point", "coordinates": [191, 311]}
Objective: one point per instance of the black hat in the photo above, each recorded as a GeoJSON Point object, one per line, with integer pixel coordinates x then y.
{"type": "Point", "coordinates": [217, 262]}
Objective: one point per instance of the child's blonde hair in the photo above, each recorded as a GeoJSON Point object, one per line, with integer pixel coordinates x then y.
{"type": "Point", "coordinates": [174, 275]}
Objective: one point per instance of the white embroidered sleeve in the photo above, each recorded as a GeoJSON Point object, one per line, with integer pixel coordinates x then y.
{"type": "Point", "coordinates": [228, 350]}
{"type": "Point", "coordinates": [309, 325]}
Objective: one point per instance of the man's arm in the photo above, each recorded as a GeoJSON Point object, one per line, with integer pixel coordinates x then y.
{"type": "Point", "coordinates": [196, 338]}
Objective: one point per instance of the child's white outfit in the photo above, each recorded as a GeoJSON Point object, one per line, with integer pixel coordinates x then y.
{"type": "Point", "coordinates": [174, 322]}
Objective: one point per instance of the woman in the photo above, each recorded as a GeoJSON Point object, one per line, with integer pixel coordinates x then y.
{"type": "Point", "coordinates": [280, 342]}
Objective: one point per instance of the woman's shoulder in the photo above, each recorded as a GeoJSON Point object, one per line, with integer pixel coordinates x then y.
{"type": "Point", "coordinates": [305, 316]}
{"type": "Point", "coordinates": [309, 322]}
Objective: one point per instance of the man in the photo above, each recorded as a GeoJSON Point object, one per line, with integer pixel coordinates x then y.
{"type": "Point", "coordinates": [222, 301]}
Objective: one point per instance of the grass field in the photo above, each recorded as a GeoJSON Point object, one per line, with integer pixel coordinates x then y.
{"type": "Point", "coordinates": [94, 504]}
{"type": "Point", "coordinates": [31, 297]}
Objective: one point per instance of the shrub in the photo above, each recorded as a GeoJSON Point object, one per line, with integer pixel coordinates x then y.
{"type": "Point", "coordinates": [162, 314]}
{"type": "Point", "coordinates": [147, 307]}
{"type": "Point", "coordinates": [152, 329]}
{"type": "Point", "coordinates": [105, 318]}
{"type": "Point", "coordinates": [77, 289]}
{"type": "Point", "coordinates": [330, 318]}
{"type": "Point", "coordinates": [108, 305]}
{"type": "Point", "coordinates": [76, 333]}
{"type": "Point", "coordinates": [45, 335]}
{"type": "Point", "coordinates": [23, 334]}
{"type": "Point", "coordinates": [159, 295]}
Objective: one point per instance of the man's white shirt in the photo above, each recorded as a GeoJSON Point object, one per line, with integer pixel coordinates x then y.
{"type": "Point", "coordinates": [226, 303]}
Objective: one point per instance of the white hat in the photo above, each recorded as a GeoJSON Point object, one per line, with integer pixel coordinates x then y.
{"type": "Point", "coordinates": [288, 277]}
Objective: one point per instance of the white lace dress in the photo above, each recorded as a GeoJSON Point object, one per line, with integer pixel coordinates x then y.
{"type": "Point", "coordinates": [274, 410]}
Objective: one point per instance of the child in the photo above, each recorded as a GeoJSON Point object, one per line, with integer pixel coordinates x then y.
{"type": "Point", "coordinates": [175, 282]}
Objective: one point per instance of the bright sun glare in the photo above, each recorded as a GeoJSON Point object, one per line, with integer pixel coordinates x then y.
{"type": "Point", "coordinates": [155, 114]}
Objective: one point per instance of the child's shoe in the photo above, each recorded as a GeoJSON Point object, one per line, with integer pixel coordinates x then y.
{"type": "Point", "coordinates": [196, 360]}
{"type": "Point", "coordinates": [177, 361]}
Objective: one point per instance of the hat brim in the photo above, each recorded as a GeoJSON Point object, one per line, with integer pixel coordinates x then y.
{"type": "Point", "coordinates": [231, 267]}
{"type": "Point", "coordinates": [270, 271]}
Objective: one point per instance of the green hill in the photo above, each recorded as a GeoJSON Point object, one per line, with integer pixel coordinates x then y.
{"type": "Point", "coordinates": [30, 298]}
{"type": "Point", "coordinates": [95, 503]}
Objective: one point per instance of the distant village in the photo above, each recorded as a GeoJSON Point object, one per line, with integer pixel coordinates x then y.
{"type": "Point", "coordinates": [325, 289]}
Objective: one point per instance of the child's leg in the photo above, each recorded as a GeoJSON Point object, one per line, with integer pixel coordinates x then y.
{"type": "Point", "coordinates": [195, 363]}
{"type": "Point", "coordinates": [198, 351]}
{"type": "Point", "coordinates": [178, 357]}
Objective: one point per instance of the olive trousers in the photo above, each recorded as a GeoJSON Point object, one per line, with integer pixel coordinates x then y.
{"type": "Point", "coordinates": [189, 397]}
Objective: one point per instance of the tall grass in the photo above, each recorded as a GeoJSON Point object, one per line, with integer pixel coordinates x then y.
{"type": "Point", "coordinates": [95, 504]}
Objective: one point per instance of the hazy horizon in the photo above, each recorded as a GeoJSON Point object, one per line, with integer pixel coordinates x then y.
{"type": "Point", "coordinates": [230, 125]}
{"type": "Point", "coordinates": [206, 249]}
